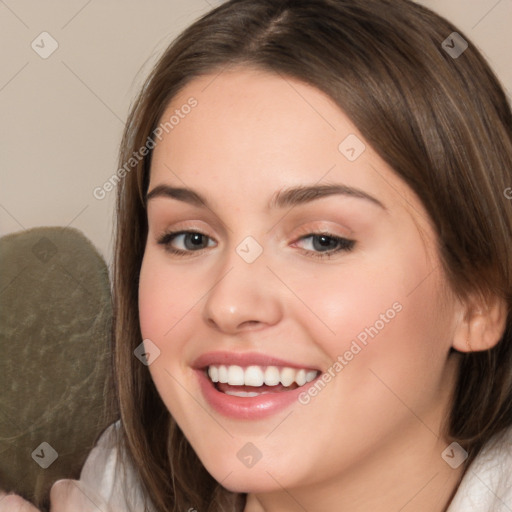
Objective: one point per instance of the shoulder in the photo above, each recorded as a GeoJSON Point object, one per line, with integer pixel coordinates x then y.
{"type": "Point", "coordinates": [487, 484]}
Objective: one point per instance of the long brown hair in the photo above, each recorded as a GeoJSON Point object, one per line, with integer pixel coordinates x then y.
{"type": "Point", "coordinates": [442, 123]}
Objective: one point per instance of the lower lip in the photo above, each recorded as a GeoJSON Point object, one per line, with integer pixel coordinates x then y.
{"type": "Point", "coordinates": [248, 408]}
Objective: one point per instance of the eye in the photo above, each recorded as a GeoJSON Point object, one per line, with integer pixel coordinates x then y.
{"type": "Point", "coordinates": [318, 245]}
{"type": "Point", "coordinates": [190, 241]}
{"type": "Point", "coordinates": [324, 245]}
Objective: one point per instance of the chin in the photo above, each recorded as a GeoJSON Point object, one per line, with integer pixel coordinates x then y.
{"type": "Point", "coordinates": [261, 478]}
{"type": "Point", "coordinates": [249, 484]}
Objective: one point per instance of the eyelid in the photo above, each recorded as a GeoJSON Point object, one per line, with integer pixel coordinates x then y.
{"type": "Point", "coordinates": [306, 230]}
{"type": "Point", "coordinates": [323, 227]}
{"type": "Point", "coordinates": [344, 245]}
{"type": "Point", "coordinates": [167, 237]}
{"type": "Point", "coordinates": [186, 225]}
{"type": "Point", "coordinates": [164, 218]}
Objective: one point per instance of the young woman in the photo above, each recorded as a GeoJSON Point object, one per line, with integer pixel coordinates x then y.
{"type": "Point", "coordinates": [313, 241]}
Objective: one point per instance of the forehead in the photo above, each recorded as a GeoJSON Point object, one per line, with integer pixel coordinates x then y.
{"type": "Point", "coordinates": [247, 110]}
{"type": "Point", "coordinates": [249, 123]}
{"type": "Point", "coordinates": [253, 132]}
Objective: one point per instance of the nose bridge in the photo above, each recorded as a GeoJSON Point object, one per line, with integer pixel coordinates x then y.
{"type": "Point", "coordinates": [243, 293]}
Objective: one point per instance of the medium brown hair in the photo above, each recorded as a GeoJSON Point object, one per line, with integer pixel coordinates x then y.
{"type": "Point", "coordinates": [443, 124]}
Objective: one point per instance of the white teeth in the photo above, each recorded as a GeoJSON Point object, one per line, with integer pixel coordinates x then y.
{"type": "Point", "coordinates": [287, 376]}
{"type": "Point", "coordinates": [311, 375]}
{"type": "Point", "coordinates": [300, 378]}
{"type": "Point", "coordinates": [253, 376]}
{"type": "Point", "coordinates": [213, 373]}
{"type": "Point", "coordinates": [236, 375]}
{"type": "Point", "coordinates": [257, 376]}
{"type": "Point", "coordinates": [272, 376]}
{"type": "Point", "coordinates": [223, 374]}
{"type": "Point", "coordinates": [244, 394]}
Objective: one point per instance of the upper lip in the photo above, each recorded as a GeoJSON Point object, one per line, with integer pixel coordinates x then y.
{"type": "Point", "coordinates": [244, 359]}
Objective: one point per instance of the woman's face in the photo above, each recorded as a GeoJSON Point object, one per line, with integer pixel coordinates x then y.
{"type": "Point", "coordinates": [310, 260]}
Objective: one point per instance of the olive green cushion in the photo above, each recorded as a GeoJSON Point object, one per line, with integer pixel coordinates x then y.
{"type": "Point", "coordinates": [55, 321]}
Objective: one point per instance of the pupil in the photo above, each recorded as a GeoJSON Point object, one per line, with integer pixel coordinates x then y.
{"type": "Point", "coordinates": [324, 242]}
{"type": "Point", "coordinates": [196, 239]}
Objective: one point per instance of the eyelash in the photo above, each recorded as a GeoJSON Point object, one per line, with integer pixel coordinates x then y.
{"type": "Point", "coordinates": [345, 244]}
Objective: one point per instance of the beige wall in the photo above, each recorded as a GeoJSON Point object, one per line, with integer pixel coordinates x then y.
{"type": "Point", "coordinates": [62, 117]}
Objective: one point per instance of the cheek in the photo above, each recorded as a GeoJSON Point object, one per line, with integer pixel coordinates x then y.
{"type": "Point", "coordinates": [387, 316]}
{"type": "Point", "coordinates": [151, 301]}
{"type": "Point", "coordinates": [386, 358]}
{"type": "Point", "coordinates": [163, 298]}
{"type": "Point", "coordinates": [164, 304]}
{"type": "Point", "coordinates": [337, 305]}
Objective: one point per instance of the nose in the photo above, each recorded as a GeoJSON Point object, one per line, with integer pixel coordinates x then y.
{"type": "Point", "coordinates": [244, 296]}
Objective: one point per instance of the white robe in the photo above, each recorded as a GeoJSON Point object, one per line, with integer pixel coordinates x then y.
{"type": "Point", "coordinates": [486, 486]}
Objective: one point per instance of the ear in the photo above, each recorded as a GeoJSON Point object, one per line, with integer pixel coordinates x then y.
{"type": "Point", "coordinates": [481, 325]}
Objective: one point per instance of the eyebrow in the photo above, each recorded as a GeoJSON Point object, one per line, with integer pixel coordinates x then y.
{"type": "Point", "coordinates": [281, 199]}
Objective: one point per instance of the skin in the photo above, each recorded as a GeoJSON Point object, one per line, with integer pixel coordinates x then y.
{"type": "Point", "coordinates": [65, 495]}
{"type": "Point", "coordinates": [14, 503]}
{"type": "Point", "coordinates": [378, 425]}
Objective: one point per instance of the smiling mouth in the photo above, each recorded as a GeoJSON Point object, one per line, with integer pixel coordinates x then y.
{"type": "Point", "coordinates": [252, 381]}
